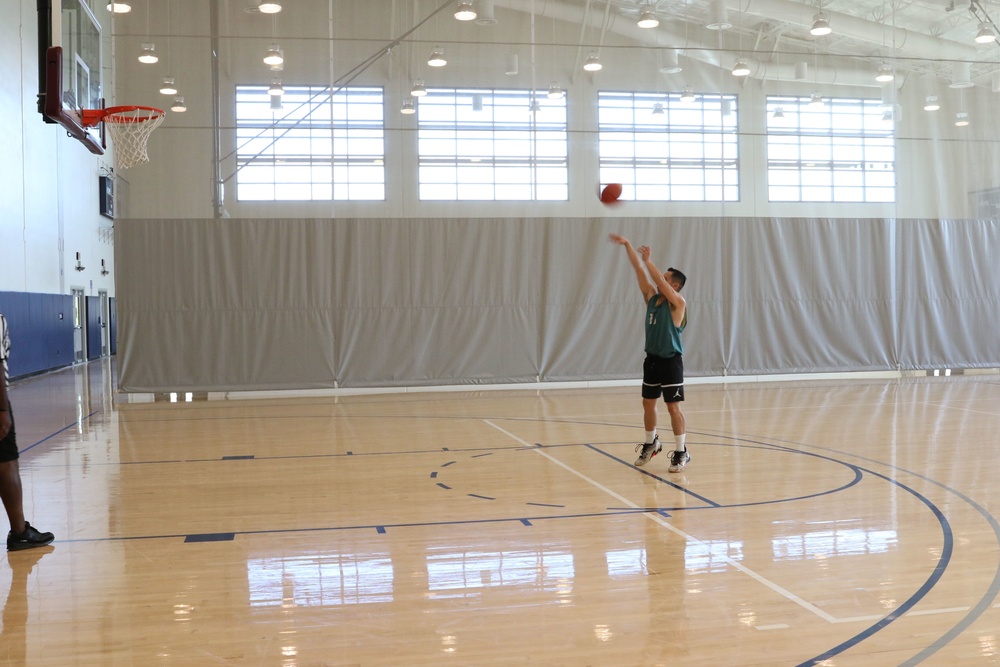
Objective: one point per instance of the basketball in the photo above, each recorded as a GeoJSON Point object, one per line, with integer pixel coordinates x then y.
{"type": "Point", "coordinates": [611, 193]}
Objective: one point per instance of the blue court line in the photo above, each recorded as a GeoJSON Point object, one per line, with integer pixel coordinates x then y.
{"type": "Point", "coordinates": [992, 591]}
{"type": "Point", "coordinates": [210, 537]}
{"type": "Point", "coordinates": [292, 457]}
{"type": "Point", "coordinates": [62, 430]}
{"type": "Point", "coordinates": [712, 503]}
{"type": "Point", "coordinates": [703, 499]}
{"type": "Point", "coordinates": [381, 528]}
{"type": "Point", "coordinates": [948, 540]}
{"type": "Point", "coordinates": [932, 580]}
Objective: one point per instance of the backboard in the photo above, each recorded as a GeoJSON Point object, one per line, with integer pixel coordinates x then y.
{"type": "Point", "coordinates": [70, 69]}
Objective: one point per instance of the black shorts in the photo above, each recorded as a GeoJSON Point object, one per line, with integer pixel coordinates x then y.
{"type": "Point", "coordinates": [663, 377]}
{"type": "Point", "coordinates": [8, 446]}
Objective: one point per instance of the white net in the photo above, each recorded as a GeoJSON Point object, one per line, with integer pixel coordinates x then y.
{"type": "Point", "coordinates": [129, 128]}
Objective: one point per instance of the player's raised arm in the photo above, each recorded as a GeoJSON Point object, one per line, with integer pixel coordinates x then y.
{"type": "Point", "coordinates": [665, 286]}
{"type": "Point", "coordinates": [645, 284]}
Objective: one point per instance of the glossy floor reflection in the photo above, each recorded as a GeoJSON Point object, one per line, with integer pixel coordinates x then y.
{"type": "Point", "coordinates": [836, 523]}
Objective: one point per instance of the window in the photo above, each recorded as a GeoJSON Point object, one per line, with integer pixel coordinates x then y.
{"type": "Point", "coordinates": [840, 151]}
{"type": "Point", "coordinates": [484, 144]}
{"type": "Point", "coordinates": [319, 146]}
{"type": "Point", "coordinates": [660, 147]}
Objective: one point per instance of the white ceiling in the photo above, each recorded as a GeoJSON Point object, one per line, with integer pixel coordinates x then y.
{"type": "Point", "coordinates": [923, 37]}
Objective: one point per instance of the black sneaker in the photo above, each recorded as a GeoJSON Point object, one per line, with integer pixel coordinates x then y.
{"type": "Point", "coordinates": [648, 451]}
{"type": "Point", "coordinates": [678, 461]}
{"type": "Point", "coordinates": [29, 539]}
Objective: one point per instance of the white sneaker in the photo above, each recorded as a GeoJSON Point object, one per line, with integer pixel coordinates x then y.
{"type": "Point", "coordinates": [648, 451]}
{"type": "Point", "coordinates": [678, 461]}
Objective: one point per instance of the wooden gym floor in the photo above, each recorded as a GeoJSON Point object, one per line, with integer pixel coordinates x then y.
{"type": "Point", "coordinates": [847, 522]}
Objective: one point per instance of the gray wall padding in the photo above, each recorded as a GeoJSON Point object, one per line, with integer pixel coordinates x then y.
{"type": "Point", "coordinates": [227, 305]}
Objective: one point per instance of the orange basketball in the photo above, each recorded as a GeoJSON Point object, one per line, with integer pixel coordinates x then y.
{"type": "Point", "coordinates": [611, 193]}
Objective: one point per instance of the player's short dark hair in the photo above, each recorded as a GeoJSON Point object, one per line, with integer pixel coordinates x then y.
{"type": "Point", "coordinates": [678, 276]}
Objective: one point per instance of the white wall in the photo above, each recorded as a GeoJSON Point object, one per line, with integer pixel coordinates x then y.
{"type": "Point", "coordinates": [48, 181]}
{"type": "Point", "coordinates": [320, 48]}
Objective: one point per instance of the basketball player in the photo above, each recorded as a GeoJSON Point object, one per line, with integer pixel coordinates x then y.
{"type": "Point", "coordinates": [663, 370]}
{"type": "Point", "coordinates": [22, 535]}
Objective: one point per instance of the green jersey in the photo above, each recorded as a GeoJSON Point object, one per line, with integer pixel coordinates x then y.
{"type": "Point", "coordinates": [663, 337]}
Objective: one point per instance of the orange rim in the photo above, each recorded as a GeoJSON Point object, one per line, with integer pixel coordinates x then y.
{"type": "Point", "coordinates": [92, 117]}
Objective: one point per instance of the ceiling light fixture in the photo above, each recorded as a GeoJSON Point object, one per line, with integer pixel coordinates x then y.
{"type": "Point", "coordinates": [275, 88]}
{"type": "Point", "coordinates": [687, 95]}
{"type": "Point", "coordinates": [593, 64]}
{"type": "Point", "coordinates": [647, 19]}
{"type": "Point", "coordinates": [268, 7]}
{"type": "Point", "coordinates": [274, 56]}
{"type": "Point", "coordinates": [720, 19]}
{"type": "Point", "coordinates": [555, 92]}
{"type": "Point", "coordinates": [169, 86]}
{"type": "Point", "coordinates": [884, 74]}
{"type": "Point", "coordinates": [148, 55]}
{"type": "Point", "coordinates": [741, 68]}
{"type": "Point", "coordinates": [821, 25]}
{"type": "Point", "coordinates": [534, 106]}
{"type": "Point", "coordinates": [887, 115]}
{"type": "Point", "coordinates": [465, 12]}
{"type": "Point", "coordinates": [816, 101]}
{"type": "Point", "coordinates": [408, 107]}
{"type": "Point", "coordinates": [485, 15]}
{"type": "Point", "coordinates": [961, 119]}
{"type": "Point", "coordinates": [931, 103]}
{"type": "Point", "coordinates": [669, 63]}
{"type": "Point", "coordinates": [510, 68]}
{"type": "Point", "coordinates": [658, 109]}
{"type": "Point", "coordinates": [437, 58]}
{"type": "Point", "coordinates": [986, 34]}
{"type": "Point", "coordinates": [779, 113]}
{"type": "Point", "coordinates": [418, 90]}
{"type": "Point", "coordinates": [178, 105]}
{"type": "Point", "coordinates": [119, 7]}
{"type": "Point", "coordinates": [961, 75]}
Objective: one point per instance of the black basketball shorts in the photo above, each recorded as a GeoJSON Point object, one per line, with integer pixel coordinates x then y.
{"type": "Point", "coordinates": [663, 377]}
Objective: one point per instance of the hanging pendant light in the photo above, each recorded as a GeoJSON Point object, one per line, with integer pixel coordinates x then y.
{"type": "Point", "coordinates": [593, 64]}
{"type": "Point", "coordinates": [169, 86]}
{"type": "Point", "coordinates": [647, 19]}
{"type": "Point", "coordinates": [437, 58]}
{"type": "Point", "coordinates": [274, 56]}
{"type": "Point", "coordinates": [148, 55]}
{"type": "Point", "coordinates": [465, 12]}
{"type": "Point", "coordinates": [821, 25]}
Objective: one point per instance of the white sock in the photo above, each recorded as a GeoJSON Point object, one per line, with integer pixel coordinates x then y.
{"type": "Point", "coordinates": [649, 436]}
{"type": "Point", "coordinates": [679, 443]}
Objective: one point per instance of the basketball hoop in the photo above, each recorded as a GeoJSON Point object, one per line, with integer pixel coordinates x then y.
{"type": "Point", "coordinates": [129, 128]}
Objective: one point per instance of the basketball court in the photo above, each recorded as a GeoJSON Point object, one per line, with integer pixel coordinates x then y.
{"type": "Point", "coordinates": [844, 520]}
{"type": "Point", "coordinates": [822, 522]}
